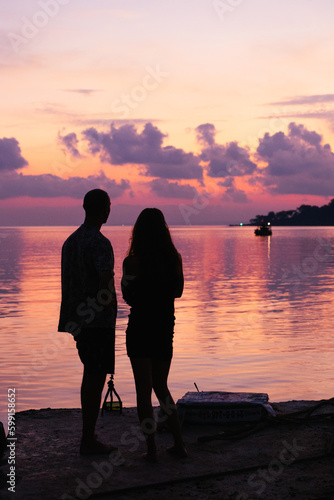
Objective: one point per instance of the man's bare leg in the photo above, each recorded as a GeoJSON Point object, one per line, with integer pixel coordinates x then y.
{"type": "Point", "coordinates": [91, 393]}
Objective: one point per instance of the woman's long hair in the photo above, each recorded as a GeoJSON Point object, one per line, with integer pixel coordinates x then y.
{"type": "Point", "coordinates": [151, 241]}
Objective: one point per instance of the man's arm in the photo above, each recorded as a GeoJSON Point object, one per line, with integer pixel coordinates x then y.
{"type": "Point", "coordinates": [107, 288]}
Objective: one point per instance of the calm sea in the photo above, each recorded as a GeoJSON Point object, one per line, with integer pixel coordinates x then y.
{"type": "Point", "coordinates": [256, 315]}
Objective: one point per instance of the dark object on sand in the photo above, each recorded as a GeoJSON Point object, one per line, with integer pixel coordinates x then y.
{"type": "Point", "coordinates": [112, 405]}
{"type": "Point", "coordinates": [217, 407]}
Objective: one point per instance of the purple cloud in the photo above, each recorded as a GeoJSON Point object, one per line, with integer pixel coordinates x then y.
{"type": "Point", "coordinates": [165, 189]}
{"type": "Point", "coordinates": [206, 134]}
{"type": "Point", "coordinates": [269, 145]}
{"type": "Point", "coordinates": [297, 163]}
{"type": "Point", "coordinates": [228, 182]}
{"type": "Point", "coordinates": [125, 145]}
{"type": "Point", "coordinates": [15, 184]}
{"type": "Point", "coordinates": [83, 91]}
{"type": "Point", "coordinates": [223, 160]}
{"type": "Point", "coordinates": [306, 99]}
{"type": "Point", "coordinates": [69, 143]}
{"type": "Point", "coordinates": [10, 155]}
{"type": "Point", "coordinates": [316, 104]}
{"type": "Point", "coordinates": [232, 193]}
{"type": "Point", "coordinates": [310, 137]}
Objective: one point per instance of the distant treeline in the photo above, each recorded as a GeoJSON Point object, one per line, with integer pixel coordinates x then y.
{"type": "Point", "coordinates": [305, 215]}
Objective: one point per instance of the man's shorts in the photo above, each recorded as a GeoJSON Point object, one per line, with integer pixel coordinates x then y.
{"type": "Point", "coordinates": [96, 348]}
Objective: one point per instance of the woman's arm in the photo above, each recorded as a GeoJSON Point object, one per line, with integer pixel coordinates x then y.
{"type": "Point", "coordinates": [128, 280]}
{"type": "Point", "coordinates": [179, 279]}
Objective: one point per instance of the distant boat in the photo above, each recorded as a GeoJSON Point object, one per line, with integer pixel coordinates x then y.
{"type": "Point", "coordinates": [264, 230]}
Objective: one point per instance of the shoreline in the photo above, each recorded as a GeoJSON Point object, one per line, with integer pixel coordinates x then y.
{"type": "Point", "coordinates": [280, 458]}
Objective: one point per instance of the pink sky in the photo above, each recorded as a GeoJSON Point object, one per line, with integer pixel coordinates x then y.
{"type": "Point", "coordinates": [213, 111]}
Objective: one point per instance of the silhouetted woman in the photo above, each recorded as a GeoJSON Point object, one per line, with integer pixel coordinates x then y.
{"type": "Point", "coordinates": [152, 279]}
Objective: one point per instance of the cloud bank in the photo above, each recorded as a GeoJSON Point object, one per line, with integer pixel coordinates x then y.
{"type": "Point", "coordinates": [165, 189]}
{"type": "Point", "coordinates": [224, 160]}
{"type": "Point", "coordinates": [15, 185]}
{"type": "Point", "coordinates": [295, 162]}
{"type": "Point", "coordinates": [125, 145]}
{"type": "Point", "coordinates": [10, 155]}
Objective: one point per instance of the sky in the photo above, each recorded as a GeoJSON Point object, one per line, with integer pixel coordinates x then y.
{"type": "Point", "coordinates": [213, 111]}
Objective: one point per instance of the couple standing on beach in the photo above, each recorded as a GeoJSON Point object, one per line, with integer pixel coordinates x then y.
{"type": "Point", "coordinates": [152, 279]}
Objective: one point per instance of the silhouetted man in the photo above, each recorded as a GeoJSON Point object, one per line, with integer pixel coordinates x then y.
{"type": "Point", "coordinates": [88, 309]}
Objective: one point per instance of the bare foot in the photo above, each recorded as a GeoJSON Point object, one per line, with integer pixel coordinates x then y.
{"type": "Point", "coordinates": [179, 451]}
{"type": "Point", "coordinates": [96, 448]}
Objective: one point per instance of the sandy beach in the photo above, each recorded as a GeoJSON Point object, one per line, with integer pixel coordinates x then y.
{"type": "Point", "coordinates": [283, 458]}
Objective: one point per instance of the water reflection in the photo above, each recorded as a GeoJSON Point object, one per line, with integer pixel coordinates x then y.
{"type": "Point", "coordinates": [11, 245]}
{"type": "Point", "coordinates": [255, 314]}
{"type": "Point", "coordinates": [260, 302]}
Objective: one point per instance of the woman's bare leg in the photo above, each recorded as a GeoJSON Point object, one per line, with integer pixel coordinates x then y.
{"type": "Point", "coordinates": [160, 370]}
{"type": "Point", "coordinates": [142, 371]}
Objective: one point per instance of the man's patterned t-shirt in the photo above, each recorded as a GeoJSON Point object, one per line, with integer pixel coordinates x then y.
{"type": "Point", "coordinates": [85, 255]}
